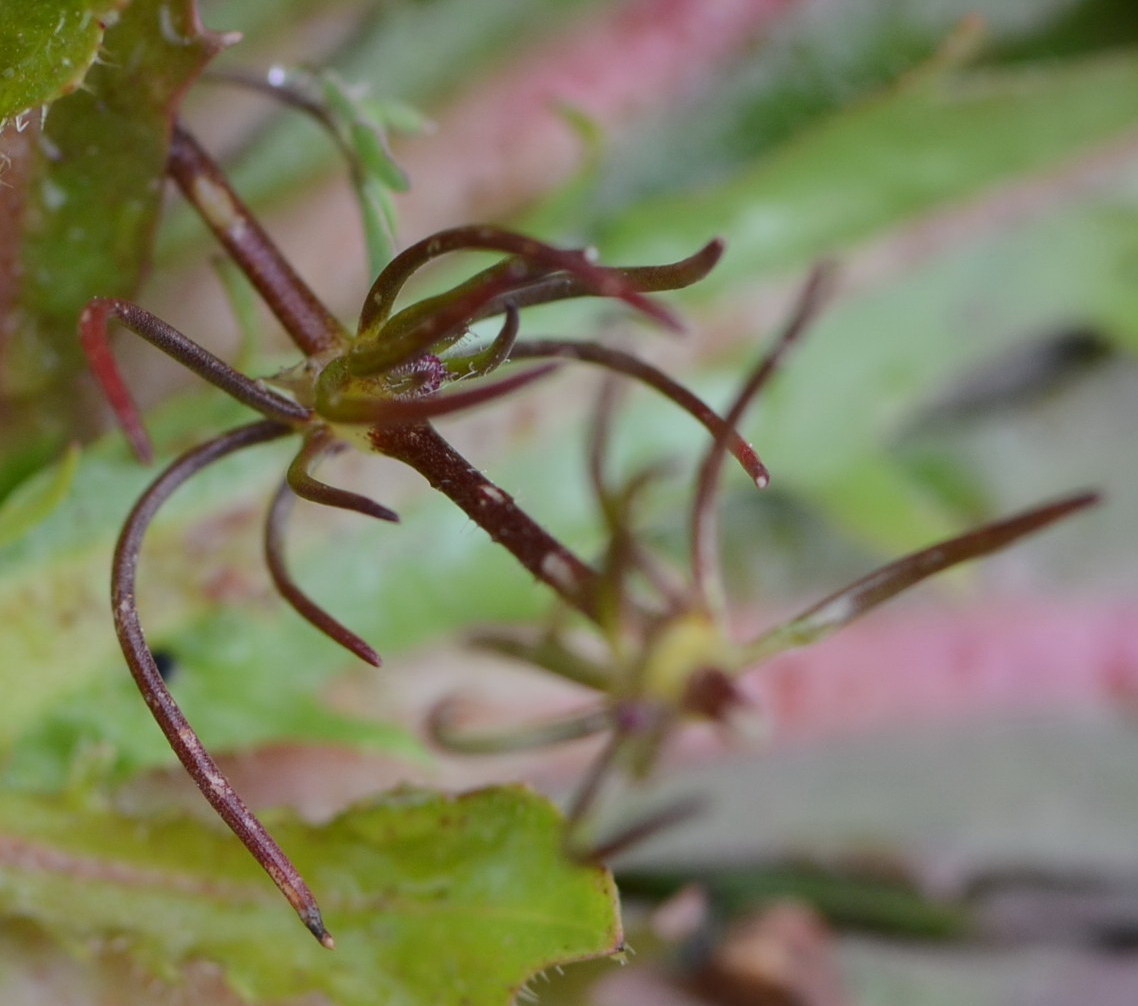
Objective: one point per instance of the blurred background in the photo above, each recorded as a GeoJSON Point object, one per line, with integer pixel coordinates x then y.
{"type": "Point", "coordinates": [939, 803]}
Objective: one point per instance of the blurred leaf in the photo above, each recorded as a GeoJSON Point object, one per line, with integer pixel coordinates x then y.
{"type": "Point", "coordinates": [32, 503]}
{"type": "Point", "coordinates": [375, 175]}
{"type": "Point", "coordinates": [1076, 27]}
{"type": "Point", "coordinates": [258, 19]}
{"type": "Point", "coordinates": [466, 38]}
{"type": "Point", "coordinates": [362, 133]}
{"type": "Point", "coordinates": [432, 898]}
{"type": "Point", "coordinates": [46, 48]}
{"type": "Point", "coordinates": [250, 671]}
{"type": "Point", "coordinates": [816, 60]}
{"type": "Point", "coordinates": [240, 687]}
{"type": "Point", "coordinates": [933, 140]}
{"type": "Point", "coordinates": [53, 582]}
{"type": "Point", "coordinates": [395, 115]}
{"type": "Point", "coordinates": [847, 897]}
{"type": "Point", "coordinates": [828, 426]}
{"type": "Point", "coordinates": [94, 187]}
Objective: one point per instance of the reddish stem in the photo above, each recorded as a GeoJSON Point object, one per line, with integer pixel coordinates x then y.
{"type": "Point", "coordinates": [616, 507]}
{"type": "Point", "coordinates": [704, 554]}
{"type": "Point", "coordinates": [310, 324]}
{"type": "Point", "coordinates": [492, 509]}
{"type": "Point", "coordinates": [93, 337]}
{"type": "Point", "coordinates": [318, 443]}
{"type": "Point", "coordinates": [300, 602]}
{"type": "Point", "coordinates": [181, 736]}
{"type": "Point", "coordinates": [631, 366]}
{"type": "Point", "coordinates": [646, 827]}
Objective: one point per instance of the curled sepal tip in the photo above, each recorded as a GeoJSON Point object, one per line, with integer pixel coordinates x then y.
{"type": "Point", "coordinates": [275, 524]}
{"type": "Point", "coordinates": [676, 275]}
{"type": "Point", "coordinates": [545, 289]}
{"type": "Point", "coordinates": [862, 595]}
{"type": "Point", "coordinates": [633, 367]}
{"type": "Point", "coordinates": [595, 279]}
{"type": "Point", "coordinates": [494, 355]}
{"type": "Point", "coordinates": [318, 444]}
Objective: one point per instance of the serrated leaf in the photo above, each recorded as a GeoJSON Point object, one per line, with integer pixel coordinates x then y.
{"type": "Point", "coordinates": [92, 189]}
{"type": "Point", "coordinates": [432, 898]}
{"type": "Point", "coordinates": [46, 48]}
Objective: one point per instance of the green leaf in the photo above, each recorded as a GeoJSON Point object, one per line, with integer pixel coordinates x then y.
{"type": "Point", "coordinates": [811, 66]}
{"type": "Point", "coordinates": [829, 426]}
{"type": "Point", "coordinates": [35, 500]}
{"type": "Point", "coordinates": [935, 140]}
{"type": "Point", "coordinates": [246, 677]}
{"type": "Point", "coordinates": [375, 175]}
{"type": "Point", "coordinates": [363, 134]}
{"type": "Point", "coordinates": [94, 187]}
{"type": "Point", "coordinates": [386, 53]}
{"type": "Point", "coordinates": [432, 898]}
{"type": "Point", "coordinates": [46, 48]}
{"type": "Point", "coordinates": [249, 670]}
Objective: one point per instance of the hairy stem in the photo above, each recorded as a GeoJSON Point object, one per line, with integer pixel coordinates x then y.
{"type": "Point", "coordinates": [492, 509]}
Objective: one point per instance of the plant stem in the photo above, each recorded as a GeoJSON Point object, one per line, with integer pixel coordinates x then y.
{"type": "Point", "coordinates": [492, 509]}
{"type": "Point", "coordinates": [202, 768]}
{"type": "Point", "coordinates": [310, 324]}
